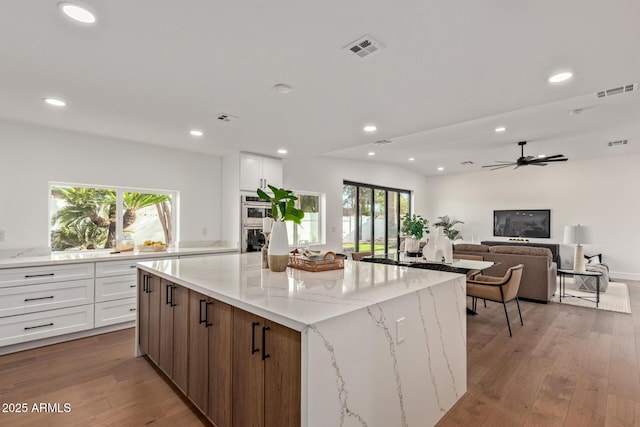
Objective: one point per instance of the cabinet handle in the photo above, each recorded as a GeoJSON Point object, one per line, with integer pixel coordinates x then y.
{"type": "Point", "coordinates": [253, 337]}
{"type": "Point", "coordinates": [166, 295]}
{"type": "Point", "coordinates": [132, 286]}
{"type": "Point", "coordinates": [132, 309]}
{"type": "Point", "coordinates": [264, 343]}
{"type": "Point", "coordinates": [35, 299]}
{"type": "Point", "coordinates": [172, 289]}
{"type": "Point", "coordinates": [132, 266]}
{"type": "Point", "coordinates": [206, 314]}
{"type": "Point", "coordinates": [39, 326]}
{"type": "Point", "coordinates": [144, 283]}
{"type": "Point", "coordinates": [200, 320]}
{"type": "Point", "coordinates": [38, 275]}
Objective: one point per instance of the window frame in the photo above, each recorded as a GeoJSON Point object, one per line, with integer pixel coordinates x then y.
{"type": "Point", "coordinates": [120, 190]}
{"type": "Point", "coordinates": [321, 218]}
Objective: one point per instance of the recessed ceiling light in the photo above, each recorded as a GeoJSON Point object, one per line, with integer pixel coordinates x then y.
{"type": "Point", "coordinates": [196, 132]}
{"type": "Point", "coordinates": [541, 156]}
{"type": "Point", "coordinates": [500, 129]}
{"type": "Point", "coordinates": [370, 128]}
{"type": "Point", "coordinates": [560, 77]}
{"type": "Point", "coordinates": [371, 153]}
{"type": "Point", "coordinates": [440, 168]}
{"type": "Point", "coordinates": [282, 151]}
{"type": "Point", "coordinates": [411, 159]}
{"type": "Point", "coordinates": [77, 13]}
{"type": "Point", "coordinates": [282, 88]}
{"type": "Point", "coordinates": [55, 102]}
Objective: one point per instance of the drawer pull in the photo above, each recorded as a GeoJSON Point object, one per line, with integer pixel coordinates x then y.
{"type": "Point", "coordinates": [28, 276]}
{"type": "Point", "coordinates": [132, 266]}
{"type": "Point", "coordinates": [39, 326]}
{"type": "Point", "coordinates": [132, 309]}
{"type": "Point", "coordinates": [35, 299]}
{"type": "Point", "coordinates": [132, 286]}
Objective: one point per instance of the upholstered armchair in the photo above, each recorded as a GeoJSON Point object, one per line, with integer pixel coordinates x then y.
{"type": "Point", "coordinates": [497, 289]}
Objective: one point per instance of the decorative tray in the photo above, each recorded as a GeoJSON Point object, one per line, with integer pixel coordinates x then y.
{"type": "Point", "coordinates": [328, 262]}
{"type": "Point", "coordinates": [155, 248]}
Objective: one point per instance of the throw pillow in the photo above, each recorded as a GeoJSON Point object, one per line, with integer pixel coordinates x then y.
{"type": "Point", "coordinates": [594, 259]}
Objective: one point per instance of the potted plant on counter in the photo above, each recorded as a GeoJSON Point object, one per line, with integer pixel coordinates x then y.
{"type": "Point", "coordinates": [282, 209]}
{"type": "Point", "coordinates": [413, 228]}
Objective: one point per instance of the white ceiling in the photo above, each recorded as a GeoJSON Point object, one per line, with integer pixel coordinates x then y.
{"type": "Point", "coordinates": [450, 72]}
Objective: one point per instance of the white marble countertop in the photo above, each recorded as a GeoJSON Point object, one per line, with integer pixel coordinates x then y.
{"type": "Point", "coordinates": [76, 257]}
{"type": "Point", "coordinates": [295, 298]}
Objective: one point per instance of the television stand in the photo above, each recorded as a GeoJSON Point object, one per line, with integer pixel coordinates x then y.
{"type": "Point", "coordinates": [553, 247]}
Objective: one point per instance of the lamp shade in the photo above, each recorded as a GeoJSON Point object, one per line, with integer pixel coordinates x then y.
{"type": "Point", "coordinates": [577, 234]}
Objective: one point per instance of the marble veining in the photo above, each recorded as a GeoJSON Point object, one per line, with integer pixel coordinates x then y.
{"type": "Point", "coordinates": [380, 322]}
{"type": "Point", "coordinates": [432, 375]}
{"type": "Point", "coordinates": [444, 351]}
{"type": "Point", "coordinates": [343, 394]}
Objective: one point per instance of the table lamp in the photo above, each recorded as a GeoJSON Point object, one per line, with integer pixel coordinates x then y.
{"type": "Point", "coordinates": [577, 235]}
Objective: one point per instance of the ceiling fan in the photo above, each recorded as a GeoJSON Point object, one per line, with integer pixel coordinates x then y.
{"type": "Point", "coordinates": [526, 161]}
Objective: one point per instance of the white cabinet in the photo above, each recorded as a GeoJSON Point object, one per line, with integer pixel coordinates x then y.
{"type": "Point", "coordinates": [47, 296]}
{"type": "Point", "coordinates": [113, 312]}
{"type": "Point", "coordinates": [257, 171]}
{"type": "Point", "coordinates": [45, 274]}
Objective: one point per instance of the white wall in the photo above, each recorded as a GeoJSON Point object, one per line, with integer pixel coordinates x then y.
{"type": "Point", "coordinates": [326, 175]}
{"type": "Point", "coordinates": [601, 193]}
{"type": "Point", "coordinates": [33, 156]}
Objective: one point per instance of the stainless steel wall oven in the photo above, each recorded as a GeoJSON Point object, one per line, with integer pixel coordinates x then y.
{"type": "Point", "coordinates": [254, 210]}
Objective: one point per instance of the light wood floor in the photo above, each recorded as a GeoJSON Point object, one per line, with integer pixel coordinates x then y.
{"type": "Point", "coordinates": [567, 366]}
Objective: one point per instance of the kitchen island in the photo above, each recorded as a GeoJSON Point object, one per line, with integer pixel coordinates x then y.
{"type": "Point", "coordinates": [370, 344]}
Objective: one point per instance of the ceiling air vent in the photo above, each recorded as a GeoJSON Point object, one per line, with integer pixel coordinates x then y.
{"type": "Point", "coordinates": [466, 162]}
{"type": "Point", "coordinates": [617, 90]}
{"type": "Point", "coordinates": [364, 46]}
{"type": "Point", "coordinates": [224, 117]}
{"type": "Point", "coordinates": [382, 142]}
{"type": "Point", "coordinates": [615, 143]}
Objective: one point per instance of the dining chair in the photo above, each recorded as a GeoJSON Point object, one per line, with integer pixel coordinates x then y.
{"type": "Point", "coordinates": [497, 289]}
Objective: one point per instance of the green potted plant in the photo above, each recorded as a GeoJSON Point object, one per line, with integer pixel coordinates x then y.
{"type": "Point", "coordinates": [447, 225]}
{"type": "Point", "coordinates": [414, 227]}
{"type": "Point", "coordinates": [282, 209]}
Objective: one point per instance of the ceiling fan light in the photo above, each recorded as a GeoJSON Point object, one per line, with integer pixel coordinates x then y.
{"type": "Point", "coordinates": [560, 77]}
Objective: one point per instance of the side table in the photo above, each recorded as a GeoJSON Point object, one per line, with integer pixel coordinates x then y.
{"type": "Point", "coordinates": [564, 273]}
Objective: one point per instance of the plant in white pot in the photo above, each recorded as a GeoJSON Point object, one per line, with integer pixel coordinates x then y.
{"type": "Point", "coordinates": [282, 209]}
{"type": "Point", "coordinates": [413, 228]}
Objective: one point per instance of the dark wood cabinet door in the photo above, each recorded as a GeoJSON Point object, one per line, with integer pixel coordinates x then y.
{"type": "Point", "coordinates": [220, 355]}
{"type": "Point", "coordinates": [198, 366]}
{"type": "Point", "coordinates": [180, 336]}
{"type": "Point", "coordinates": [248, 369]}
{"type": "Point", "coordinates": [166, 327]}
{"type": "Point", "coordinates": [282, 376]}
{"type": "Point", "coordinates": [143, 312]}
{"type": "Point", "coordinates": [154, 294]}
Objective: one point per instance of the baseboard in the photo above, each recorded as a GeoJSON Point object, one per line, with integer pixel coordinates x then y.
{"type": "Point", "coordinates": [625, 276]}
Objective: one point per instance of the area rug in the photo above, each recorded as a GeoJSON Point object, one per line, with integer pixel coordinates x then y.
{"type": "Point", "coordinates": [615, 299]}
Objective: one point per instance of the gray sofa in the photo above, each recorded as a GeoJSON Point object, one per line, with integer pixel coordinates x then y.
{"type": "Point", "coordinates": [538, 277]}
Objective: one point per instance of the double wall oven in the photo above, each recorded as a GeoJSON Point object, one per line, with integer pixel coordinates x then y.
{"type": "Point", "coordinates": [254, 210]}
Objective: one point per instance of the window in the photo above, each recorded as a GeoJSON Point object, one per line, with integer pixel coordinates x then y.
{"type": "Point", "coordinates": [93, 217]}
{"type": "Point", "coordinates": [310, 231]}
{"type": "Point", "coordinates": [371, 217]}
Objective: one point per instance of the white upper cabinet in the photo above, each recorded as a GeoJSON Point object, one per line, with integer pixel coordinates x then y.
{"type": "Point", "coordinates": [258, 171]}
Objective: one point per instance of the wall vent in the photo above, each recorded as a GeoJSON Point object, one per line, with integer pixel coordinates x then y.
{"type": "Point", "coordinates": [615, 143]}
{"type": "Point", "coordinates": [466, 162]}
{"type": "Point", "coordinates": [617, 90]}
{"type": "Point", "coordinates": [364, 46]}
{"type": "Point", "coordinates": [224, 117]}
{"type": "Point", "coordinates": [382, 142]}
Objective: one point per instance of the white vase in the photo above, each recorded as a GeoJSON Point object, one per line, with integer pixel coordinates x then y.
{"type": "Point", "coordinates": [429, 250]}
{"type": "Point", "coordinates": [278, 247]}
{"type": "Point", "coordinates": [443, 248]}
{"type": "Point", "coordinates": [411, 245]}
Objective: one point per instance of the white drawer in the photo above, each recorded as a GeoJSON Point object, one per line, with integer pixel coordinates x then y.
{"type": "Point", "coordinates": [45, 274]}
{"type": "Point", "coordinates": [116, 268]}
{"type": "Point", "coordinates": [32, 298]}
{"type": "Point", "coordinates": [112, 312]}
{"type": "Point", "coordinates": [29, 327]}
{"type": "Point", "coordinates": [117, 287]}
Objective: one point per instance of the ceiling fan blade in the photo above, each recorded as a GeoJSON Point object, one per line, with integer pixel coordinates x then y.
{"type": "Point", "coordinates": [538, 164]}
{"type": "Point", "coordinates": [554, 160]}
{"type": "Point", "coordinates": [528, 158]}
{"type": "Point", "coordinates": [555, 156]}
{"type": "Point", "coordinates": [499, 165]}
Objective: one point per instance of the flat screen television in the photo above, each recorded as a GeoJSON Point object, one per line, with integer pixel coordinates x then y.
{"type": "Point", "coordinates": [522, 223]}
